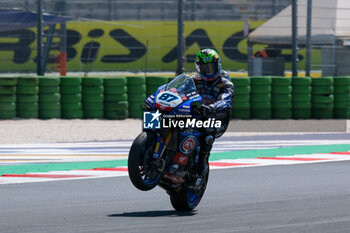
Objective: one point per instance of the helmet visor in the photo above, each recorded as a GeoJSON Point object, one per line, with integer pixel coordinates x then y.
{"type": "Point", "coordinates": [208, 68]}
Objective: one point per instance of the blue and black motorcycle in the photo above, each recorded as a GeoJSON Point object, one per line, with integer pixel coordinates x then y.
{"type": "Point", "coordinates": [168, 156]}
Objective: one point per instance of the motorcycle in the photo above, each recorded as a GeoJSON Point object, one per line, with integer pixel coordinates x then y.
{"type": "Point", "coordinates": [168, 156]}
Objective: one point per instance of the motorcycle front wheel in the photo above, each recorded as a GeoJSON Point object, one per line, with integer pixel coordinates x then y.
{"type": "Point", "coordinates": [142, 173]}
{"type": "Point", "coordinates": [187, 199]}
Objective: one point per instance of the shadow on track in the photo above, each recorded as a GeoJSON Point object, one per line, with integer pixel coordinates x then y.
{"type": "Point", "coordinates": [160, 213]}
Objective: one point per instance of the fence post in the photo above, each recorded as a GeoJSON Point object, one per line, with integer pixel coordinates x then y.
{"type": "Point", "coordinates": [180, 38]}
{"type": "Point", "coordinates": [40, 51]}
{"type": "Point", "coordinates": [308, 38]}
{"type": "Point", "coordinates": [294, 39]}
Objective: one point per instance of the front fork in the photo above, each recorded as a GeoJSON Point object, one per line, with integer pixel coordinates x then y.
{"type": "Point", "coordinates": [159, 150]}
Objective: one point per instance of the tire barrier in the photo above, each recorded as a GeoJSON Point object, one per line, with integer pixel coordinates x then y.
{"type": "Point", "coordinates": [71, 97]}
{"type": "Point", "coordinates": [115, 98]}
{"type": "Point", "coordinates": [301, 98]}
{"type": "Point", "coordinates": [241, 104]}
{"type": "Point", "coordinates": [93, 98]}
{"type": "Point", "coordinates": [322, 98]}
{"type": "Point", "coordinates": [136, 94]}
{"type": "Point", "coordinates": [281, 98]}
{"type": "Point", "coordinates": [121, 97]}
{"type": "Point", "coordinates": [260, 97]}
{"type": "Point", "coordinates": [27, 105]}
{"type": "Point", "coordinates": [49, 98]}
{"type": "Point", "coordinates": [341, 97]}
{"type": "Point", "coordinates": [8, 98]}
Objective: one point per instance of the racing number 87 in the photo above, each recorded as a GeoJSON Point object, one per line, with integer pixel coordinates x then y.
{"type": "Point", "coordinates": [167, 97]}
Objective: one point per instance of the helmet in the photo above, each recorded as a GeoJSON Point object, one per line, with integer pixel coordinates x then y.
{"type": "Point", "coordinates": [208, 64]}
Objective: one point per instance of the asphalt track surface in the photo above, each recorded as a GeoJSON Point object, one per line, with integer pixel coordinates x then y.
{"type": "Point", "coordinates": [291, 198]}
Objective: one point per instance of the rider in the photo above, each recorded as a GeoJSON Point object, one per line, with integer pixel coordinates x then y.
{"type": "Point", "coordinates": [217, 92]}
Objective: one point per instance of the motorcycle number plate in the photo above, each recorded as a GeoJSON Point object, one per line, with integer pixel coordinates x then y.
{"type": "Point", "coordinates": [168, 99]}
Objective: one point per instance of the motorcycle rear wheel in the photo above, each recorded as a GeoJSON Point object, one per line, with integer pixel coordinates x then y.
{"type": "Point", "coordinates": [142, 174]}
{"type": "Point", "coordinates": [187, 199]}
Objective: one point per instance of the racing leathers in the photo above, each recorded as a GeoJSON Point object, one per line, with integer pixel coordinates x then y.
{"type": "Point", "coordinates": [218, 96]}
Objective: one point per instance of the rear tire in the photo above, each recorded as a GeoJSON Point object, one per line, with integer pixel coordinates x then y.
{"type": "Point", "coordinates": [187, 199]}
{"type": "Point", "coordinates": [142, 174]}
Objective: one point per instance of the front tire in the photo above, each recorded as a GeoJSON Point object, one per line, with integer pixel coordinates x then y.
{"type": "Point", "coordinates": [142, 174]}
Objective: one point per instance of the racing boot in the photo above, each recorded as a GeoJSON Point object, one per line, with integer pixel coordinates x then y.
{"type": "Point", "coordinates": [204, 153]}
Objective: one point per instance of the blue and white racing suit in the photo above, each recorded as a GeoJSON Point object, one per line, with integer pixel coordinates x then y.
{"type": "Point", "coordinates": [217, 94]}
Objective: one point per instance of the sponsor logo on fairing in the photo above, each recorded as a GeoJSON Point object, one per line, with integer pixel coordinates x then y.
{"type": "Point", "coordinates": [188, 144]}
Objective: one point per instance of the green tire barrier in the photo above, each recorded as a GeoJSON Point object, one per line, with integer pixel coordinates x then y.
{"type": "Point", "coordinates": [72, 114]}
{"type": "Point", "coordinates": [136, 87]}
{"type": "Point", "coordinates": [114, 82]}
{"type": "Point", "coordinates": [301, 113]}
{"type": "Point", "coordinates": [67, 90]}
{"type": "Point", "coordinates": [28, 81]}
{"type": "Point", "coordinates": [242, 98]}
{"type": "Point", "coordinates": [71, 97]}
{"type": "Point", "coordinates": [92, 98]}
{"type": "Point", "coordinates": [260, 97]}
{"type": "Point", "coordinates": [242, 90]}
{"type": "Point", "coordinates": [70, 81]}
{"type": "Point", "coordinates": [324, 81]}
{"type": "Point", "coordinates": [301, 97]}
{"type": "Point", "coordinates": [240, 81]}
{"type": "Point", "coordinates": [301, 81]}
{"type": "Point", "coordinates": [281, 100]}
{"type": "Point", "coordinates": [116, 115]}
{"type": "Point", "coordinates": [29, 90]}
{"type": "Point", "coordinates": [28, 114]}
{"type": "Point", "coordinates": [49, 82]}
{"type": "Point", "coordinates": [7, 90]}
{"type": "Point", "coordinates": [7, 98]}
{"type": "Point", "coordinates": [281, 81]}
{"type": "Point", "coordinates": [115, 98]}
{"type": "Point", "coordinates": [302, 104]}
{"type": "Point", "coordinates": [49, 106]}
{"type": "Point", "coordinates": [277, 98]}
{"type": "Point", "coordinates": [27, 105]}
{"type": "Point", "coordinates": [7, 114]}
{"type": "Point", "coordinates": [260, 88]}
{"type": "Point", "coordinates": [260, 81]}
{"type": "Point", "coordinates": [301, 89]}
{"type": "Point", "coordinates": [137, 98]}
{"type": "Point", "coordinates": [341, 97]}
{"type": "Point", "coordinates": [49, 114]}
{"type": "Point", "coordinates": [156, 81]}
{"type": "Point", "coordinates": [115, 90]}
{"type": "Point", "coordinates": [8, 81]}
{"type": "Point", "coordinates": [241, 114]}
{"type": "Point", "coordinates": [49, 97]}
{"type": "Point", "coordinates": [297, 97]}
{"type": "Point", "coordinates": [241, 104]}
{"type": "Point", "coordinates": [7, 106]}
{"type": "Point", "coordinates": [322, 98]}
{"type": "Point", "coordinates": [120, 97]}
{"type": "Point", "coordinates": [281, 90]}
